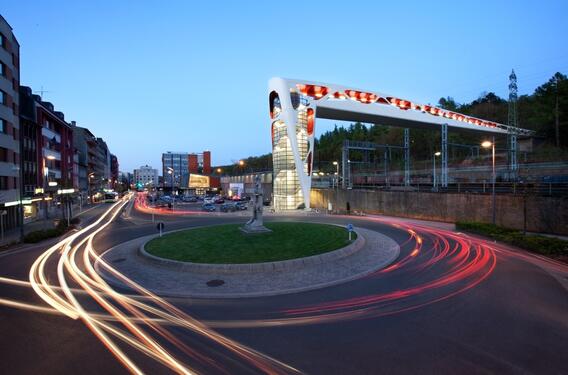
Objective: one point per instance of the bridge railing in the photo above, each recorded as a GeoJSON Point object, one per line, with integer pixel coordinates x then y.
{"type": "Point", "coordinates": [559, 189]}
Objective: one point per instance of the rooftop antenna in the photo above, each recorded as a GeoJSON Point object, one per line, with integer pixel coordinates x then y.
{"type": "Point", "coordinates": [41, 92]}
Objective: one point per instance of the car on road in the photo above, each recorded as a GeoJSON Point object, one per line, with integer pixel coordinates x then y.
{"type": "Point", "coordinates": [228, 207]}
{"type": "Point", "coordinates": [219, 200]}
{"type": "Point", "coordinates": [189, 199]}
{"type": "Point", "coordinates": [241, 206]}
{"type": "Point", "coordinates": [209, 207]}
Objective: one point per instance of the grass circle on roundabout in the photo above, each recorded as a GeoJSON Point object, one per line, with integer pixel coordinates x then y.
{"type": "Point", "coordinates": [227, 244]}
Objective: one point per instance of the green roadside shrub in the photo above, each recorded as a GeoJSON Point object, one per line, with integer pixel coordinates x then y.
{"type": "Point", "coordinates": [44, 234]}
{"type": "Point", "coordinates": [40, 235]}
{"type": "Point", "coordinates": [549, 246]}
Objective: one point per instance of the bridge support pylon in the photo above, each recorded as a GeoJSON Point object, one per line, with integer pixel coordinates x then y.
{"type": "Point", "coordinates": [406, 157]}
{"type": "Point", "coordinates": [444, 155]}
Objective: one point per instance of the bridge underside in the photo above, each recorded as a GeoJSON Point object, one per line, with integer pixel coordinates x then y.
{"type": "Point", "coordinates": [335, 112]}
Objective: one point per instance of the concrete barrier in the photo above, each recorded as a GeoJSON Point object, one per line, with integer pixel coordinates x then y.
{"type": "Point", "coordinates": [542, 214]}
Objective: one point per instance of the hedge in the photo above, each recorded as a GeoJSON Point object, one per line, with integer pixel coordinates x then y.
{"type": "Point", "coordinates": [549, 246]}
{"type": "Point", "coordinates": [44, 234]}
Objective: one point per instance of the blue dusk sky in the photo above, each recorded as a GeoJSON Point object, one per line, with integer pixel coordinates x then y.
{"type": "Point", "coordinates": [153, 76]}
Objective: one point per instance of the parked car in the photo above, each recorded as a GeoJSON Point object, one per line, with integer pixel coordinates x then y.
{"type": "Point", "coordinates": [219, 200]}
{"type": "Point", "coordinates": [209, 207]}
{"type": "Point", "coordinates": [228, 207]}
{"type": "Point", "coordinates": [189, 199]}
{"type": "Point", "coordinates": [209, 200]}
{"type": "Point", "coordinates": [241, 206]}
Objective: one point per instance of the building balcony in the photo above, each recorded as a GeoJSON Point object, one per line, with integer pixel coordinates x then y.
{"type": "Point", "coordinates": [46, 132]}
{"type": "Point", "coordinates": [53, 174]}
{"type": "Point", "coordinates": [51, 154]}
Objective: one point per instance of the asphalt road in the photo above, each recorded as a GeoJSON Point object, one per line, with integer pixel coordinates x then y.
{"type": "Point", "coordinates": [448, 305]}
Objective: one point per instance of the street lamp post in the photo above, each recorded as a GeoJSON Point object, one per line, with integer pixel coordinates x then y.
{"type": "Point", "coordinates": [336, 174]}
{"type": "Point", "coordinates": [89, 190]}
{"type": "Point", "coordinates": [171, 173]}
{"type": "Point", "coordinates": [487, 144]}
{"type": "Point", "coordinates": [45, 184]}
{"type": "Point", "coordinates": [434, 179]}
{"type": "Point", "coordinates": [349, 174]}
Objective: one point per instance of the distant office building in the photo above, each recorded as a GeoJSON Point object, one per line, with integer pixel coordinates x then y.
{"type": "Point", "coordinates": [206, 165]}
{"type": "Point", "coordinates": [96, 165]}
{"type": "Point", "coordinates": [125, 179]}
{"type": "Point", "coordinates": [183, 164]}
{"type": "Point", "coordinates": [175, 168]}
{"type": "Point", "coordinates": [200, 163]}
{"type": "Point", "coordinates": [103, 163]}
{"type": "Point", "coordinates": [86, 148]}
{"type": "Point", "coordinates": [146, 176]}
{"type": "Point", "coordinates": [9, 126]}
{"type": "Point", "coordinates": [113, 170]}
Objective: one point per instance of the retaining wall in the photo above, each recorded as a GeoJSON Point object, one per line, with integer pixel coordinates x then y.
{"type": "Point", "coordinates": [543, 214]}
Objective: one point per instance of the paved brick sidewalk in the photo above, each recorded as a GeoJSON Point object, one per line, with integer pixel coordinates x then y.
{"type": "Point", "coordinates": [378, 252]}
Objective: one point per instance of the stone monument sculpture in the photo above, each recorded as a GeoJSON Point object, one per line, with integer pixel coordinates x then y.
{"type": "Point", "coordinates": [256, 224]}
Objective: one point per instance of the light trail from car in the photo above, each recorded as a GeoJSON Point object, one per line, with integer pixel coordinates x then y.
{"type": "Point", "coordinates": [135, 328]}
{"type": "Point", "coordinates": [439, 264]}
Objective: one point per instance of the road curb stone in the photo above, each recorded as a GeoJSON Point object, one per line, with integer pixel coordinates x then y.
{"type": "Point", "coordinates": [378, 252]}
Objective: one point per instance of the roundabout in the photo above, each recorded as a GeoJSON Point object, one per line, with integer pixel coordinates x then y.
{"type": "Point", "coordinates": [227, 244]}
{"type": "Point", "coordinates": [368, 252]}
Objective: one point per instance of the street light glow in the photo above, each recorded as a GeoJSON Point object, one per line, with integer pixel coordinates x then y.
{"type": "Point", "coordinates": [50, 157]}
{"type": "Point", "coordinates": [241, 162]}
{"type": "Point", "coordinates": [335, 163]}
{"type": "Point", "coordinates": [437, 153]}
{"type": "Point", "coordinates": [486, 144]}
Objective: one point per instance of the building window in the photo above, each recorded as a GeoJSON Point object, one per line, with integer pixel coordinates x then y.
{"type": "Point", "coordinates": [3, 183]}
{"type": "Point", "coordinates": [2, 69]}
{"type": "Point", "coordinates": [4, 154]}
{"type": "Point", "coordinates": [2, 97]}
{"type": "Point", "coordinates": [3, 41]}
{"type": "Point", "coordinates": [3, 125]}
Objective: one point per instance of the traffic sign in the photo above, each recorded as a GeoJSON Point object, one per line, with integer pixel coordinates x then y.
{"type": "Point", "coordinates": [160, 227]}
{"type": "Point", "coordinates": [350, 229]}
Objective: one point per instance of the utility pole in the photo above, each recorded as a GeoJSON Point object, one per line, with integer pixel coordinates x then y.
{"type": "Point", "coordinates": [557, 121]}
{"type": "Point", "coordinates": [512, 122]}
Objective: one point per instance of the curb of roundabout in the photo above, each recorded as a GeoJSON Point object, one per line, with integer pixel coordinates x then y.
{"type": "Point", "coordinates": [383, 251]}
